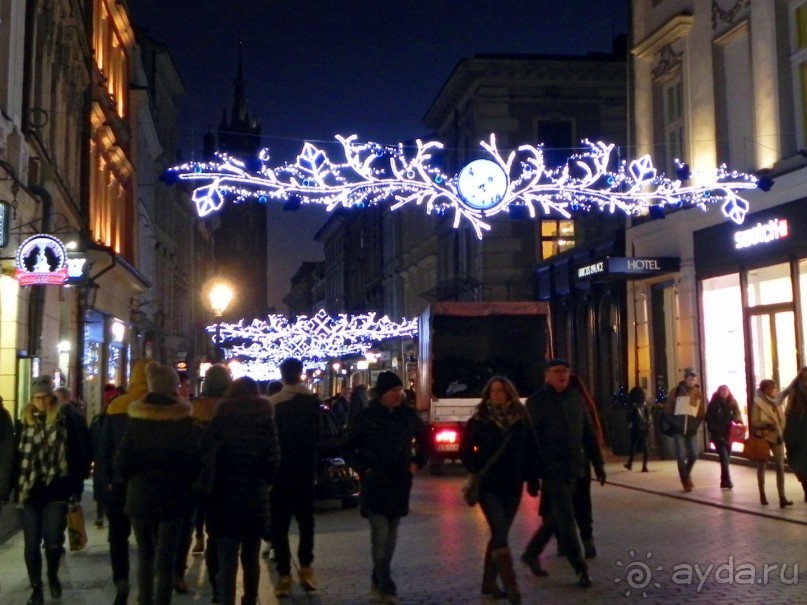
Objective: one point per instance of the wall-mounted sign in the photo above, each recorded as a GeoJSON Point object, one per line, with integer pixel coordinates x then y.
{"type": "Point", "coordinates": [41, 259]}
{"type": "Point", "coordinates": [591, 270]}
{"type": "Point", "coordinates": [761, 233]}
{"type": "Point", "coordinates": [77, 268]}
{"type": "Point", "coordinates": [629, 267]}
{"type": "Point", "coordinates": [5, 223]}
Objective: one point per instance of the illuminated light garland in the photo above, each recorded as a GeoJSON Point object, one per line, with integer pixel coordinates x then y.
{"type": "Point", "coordinates": [262, 344]}
{"type": "Point", "coordinates": [372, 173]}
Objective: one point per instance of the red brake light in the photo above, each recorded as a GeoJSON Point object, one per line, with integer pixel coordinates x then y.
{"type": "Point", "coordinates": [446, 436]}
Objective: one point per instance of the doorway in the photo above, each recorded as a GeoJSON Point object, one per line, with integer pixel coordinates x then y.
{"type": "Point", "coordinates": [773, 343]}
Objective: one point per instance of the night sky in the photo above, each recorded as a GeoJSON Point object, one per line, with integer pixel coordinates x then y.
{"type": "Point", "coordinates": [317, 68]}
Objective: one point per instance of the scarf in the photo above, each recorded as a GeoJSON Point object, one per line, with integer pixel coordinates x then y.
{"type": "Point", "coordinates": [43, 450]}
{"type": "Point", "coordinates": [506, 415]}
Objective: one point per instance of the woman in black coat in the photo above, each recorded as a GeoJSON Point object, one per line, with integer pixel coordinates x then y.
{"type": "Point", "coordinates": [721, 413]}
{"type": "Point", "coordinates": [498, 440]}
{"type": "Point", "coordinates": [158, 459]}
{"type": "Point", "coordinates": [639, 420]}
{"type": "Point", "coordinates": [241, 456]}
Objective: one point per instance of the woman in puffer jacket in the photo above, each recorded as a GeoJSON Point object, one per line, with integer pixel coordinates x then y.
{"type": "Point", "coordinates": [241, 456]}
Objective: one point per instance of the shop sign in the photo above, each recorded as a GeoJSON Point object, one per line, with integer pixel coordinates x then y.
{"type": "Point", "coordinates": [591, 270]}
{"type": "Point", "coordinates": [761, 233]}
{"type": "Point", "coordinates": [41, 259]}
{"type": "Point", "coordinates": [629, 267]}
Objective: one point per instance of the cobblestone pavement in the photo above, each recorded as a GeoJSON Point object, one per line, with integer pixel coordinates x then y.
{"type": "Point", "coordinates": [656, 545]}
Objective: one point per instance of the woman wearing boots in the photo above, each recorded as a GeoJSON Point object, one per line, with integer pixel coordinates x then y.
{"type": "Point", "coordinates": [53, 462]}
{"type": "Point", "coordinates": [722, 412]}
{"type": "Point", "coordinates": [796, 427]}
{"type": "Point", "coordinates": [241, 455]}
{"type": "Point", "coordinates": [497, 438]}
{"type": "Point", "coordinates": [639, 422]}
{"type": "Point", "coordinates": [768, 422]}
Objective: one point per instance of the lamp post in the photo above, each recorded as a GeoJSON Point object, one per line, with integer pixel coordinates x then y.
{"type": "Point", "coordinates": [220, 296]}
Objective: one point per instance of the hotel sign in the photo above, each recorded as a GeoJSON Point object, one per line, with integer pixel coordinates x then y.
{"type": "Point", "coordinates": [629, 267]}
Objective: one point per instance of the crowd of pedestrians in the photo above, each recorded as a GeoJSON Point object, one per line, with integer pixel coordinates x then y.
{"type": "Point", "coordinates": [234, 466]}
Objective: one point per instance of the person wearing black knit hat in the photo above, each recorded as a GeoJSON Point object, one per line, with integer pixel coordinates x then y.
{"type": "Point", "coordinates": [378, 447]}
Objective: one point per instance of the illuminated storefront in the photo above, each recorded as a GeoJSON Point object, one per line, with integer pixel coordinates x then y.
{"type": "Point", "coordinates": [752, 284]}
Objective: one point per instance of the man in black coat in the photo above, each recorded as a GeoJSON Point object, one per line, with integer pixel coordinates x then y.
{"type": "Point", "coordinates": [297, 412]}
{"type": "Point", "coordinates": [379, 447]}
{"type": "Point", "coordinates": [564, 434]}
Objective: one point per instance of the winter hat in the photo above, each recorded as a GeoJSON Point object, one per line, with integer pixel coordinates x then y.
{"type": "Point", "coordinates": [690, 372]}
{"type": "Point", "coordinates": [217, 379]}
{"type": "Point", "coordinates": [161, 379]}
{"type": "Point", "coordinates": [42, 385]}
{"type": "Point", "coordinates": [386, 380]}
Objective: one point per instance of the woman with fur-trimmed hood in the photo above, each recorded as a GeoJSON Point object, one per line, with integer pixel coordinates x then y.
{"type": "Point", "coordinates": [158, 460]}
{"type": "Point", "coordinates": [241, 454]}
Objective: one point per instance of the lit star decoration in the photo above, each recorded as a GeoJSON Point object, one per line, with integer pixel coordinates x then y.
{"type": "Point", "coordinates": [262, 345]}
{"type": "Point", "coordinates": [372, 173]}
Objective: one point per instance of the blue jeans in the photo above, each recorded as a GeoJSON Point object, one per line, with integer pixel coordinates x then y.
{"type": "Point", "coordinates": [383, 535]}
{"type": "Point", "coordinates": [228, 547]}
{"type": "Point", "coordinates": [499, 512]}
{"type": "Point", "coordinates": [156, 552]}
{"type": "Point", "coordinates": [724, 454]}
{"type": "Point", "coordinates": [43, 522]}
{"type": "Point", "coordinates": [686, 454]}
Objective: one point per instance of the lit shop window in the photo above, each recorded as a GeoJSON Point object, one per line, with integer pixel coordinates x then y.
{"type": "Point", "coordinates": [556, 237]}
{"type": "Point", "coordinates": [724, 343]}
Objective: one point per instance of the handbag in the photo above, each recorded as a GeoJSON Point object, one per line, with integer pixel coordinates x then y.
{"type": "Point", "coordinates": [76, 530]}
{"type": "Point", "coordinates": [736, 432]}
{"type": "Point", "coordinates": [756, 448]}
{"type": "Point", "coordinates": [470, 489]}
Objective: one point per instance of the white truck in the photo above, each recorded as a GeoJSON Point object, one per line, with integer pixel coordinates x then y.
{"type": "Point", "coordinates": [461, 345]}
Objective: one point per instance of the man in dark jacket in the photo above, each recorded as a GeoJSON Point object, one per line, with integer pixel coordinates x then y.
{"type": "Point", "coordinates": [379, 447]}
{"type": "Point", "coordinates": [564, 434]}
{"type": "Point", "coordinates": [297, 413]}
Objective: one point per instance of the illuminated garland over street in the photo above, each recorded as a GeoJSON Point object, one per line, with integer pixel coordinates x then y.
{"type": "Point", "coordinates": [313, 340]}
{"type": "Point", "coordinates": [372, 173]}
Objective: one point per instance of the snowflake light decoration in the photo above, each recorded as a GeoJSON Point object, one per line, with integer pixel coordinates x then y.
{"type": "Point", "coordinates": [372, 173]}
{"type": "Point", "coordinates": [313, 340]}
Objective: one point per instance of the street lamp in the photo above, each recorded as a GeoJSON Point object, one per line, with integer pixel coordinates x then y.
{"type": "Point", "coordinates": [220, 296]}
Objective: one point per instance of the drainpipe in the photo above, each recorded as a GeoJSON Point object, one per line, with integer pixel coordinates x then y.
{"type": "Point", "coordinates": [36, 299]}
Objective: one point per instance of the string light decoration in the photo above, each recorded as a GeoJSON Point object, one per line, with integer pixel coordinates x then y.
{"type": "Point", "coordinates": [263, 344]}
{"type": "Point", "coordinates": [372, 173]}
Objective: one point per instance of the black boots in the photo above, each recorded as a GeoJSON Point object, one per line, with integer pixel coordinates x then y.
{"type": "Point", "coordinates": [490, 588]}
{"type": "Point", "coordinates": [503, 560]}
{"type": "Point", "coordinates": [37, 597]}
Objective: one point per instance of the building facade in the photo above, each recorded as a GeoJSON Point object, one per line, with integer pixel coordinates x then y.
{"type": "Point", "coordinates": [722, 81]}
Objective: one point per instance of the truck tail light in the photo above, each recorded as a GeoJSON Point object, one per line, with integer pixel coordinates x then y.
{"type": "Point", "coordinates": [446, 436]}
